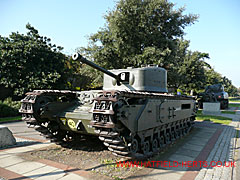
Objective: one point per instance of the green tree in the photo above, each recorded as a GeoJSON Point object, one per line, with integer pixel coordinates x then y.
{"type": "Point", "coordinates": [30, 62]}
{"type": "Point", "coordinates": [213, 77]}
{"type": "Point", "coordinates": [187, 71]}
{"type": "Point", "coordinates": [139, 32]}
{"type": "Point", "coordinates": [81, 76]}
{"type": "Point", "coordinates": [192, 71]}
{"type": "Point", "coordinates": [229, 87]}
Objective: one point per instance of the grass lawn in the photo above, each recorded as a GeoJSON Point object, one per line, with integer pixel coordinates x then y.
{"type": "Point", "coordinates": [222, 111]}
{"type": "Point", "coordinates": [215, 119]}
{"type": "Point", "coordinates": [199, 112]}
{"type": "Point", "coordinates": [234, 105]}
{"type": "Point", "coordinates": [228, 112]}
{"type": "Point", "coordinates": [9, 119]}
{"type": "Point", "coordinates": [234, 99]}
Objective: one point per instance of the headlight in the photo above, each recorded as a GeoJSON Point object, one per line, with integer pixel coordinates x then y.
{"type": "Point", "coordinates": [225, 95]}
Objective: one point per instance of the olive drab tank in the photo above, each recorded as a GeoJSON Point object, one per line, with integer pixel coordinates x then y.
{"type": "Point", "coordinates": [214, 93]}
{"type": "Point", "coordinates": [134, 116]}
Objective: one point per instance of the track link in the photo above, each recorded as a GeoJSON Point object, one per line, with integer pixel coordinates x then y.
{"type": "Point", "coordinates": [32, 106]}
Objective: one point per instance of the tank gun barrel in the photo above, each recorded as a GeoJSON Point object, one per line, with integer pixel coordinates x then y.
{"type": "Point", "coordinates": [80, 58]}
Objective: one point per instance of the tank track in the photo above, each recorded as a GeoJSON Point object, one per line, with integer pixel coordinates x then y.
{"type": "Point", "coordinates": [123, 143]}
{"type": "Point", "coordinates": [33, 105]}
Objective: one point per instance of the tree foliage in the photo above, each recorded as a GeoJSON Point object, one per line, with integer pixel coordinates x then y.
{"type": "Point", "coordinates": [138, 32]}
{"type": "Point", "coordinates": [30, 62]}
{"type": "Point", "coordinates": [141, 32]}
{"type": "Point", "coordinates": [81, 76]}
{"type": "Point", "coordinates": [188, 68]}
{"type": "Point", "coordinates": [192, 72]}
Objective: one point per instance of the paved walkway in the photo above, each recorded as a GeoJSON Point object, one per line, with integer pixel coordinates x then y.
{"type": "Point", "coordinates": [207, 142]}
{"type": "Point", "coordinates": [225, 150]}
{"type": "Point", "coordinates": [222, 152]}
{"type": "Point", "coordinates": [12, 166]}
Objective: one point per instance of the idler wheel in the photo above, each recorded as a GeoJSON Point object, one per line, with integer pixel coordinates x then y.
{"type": "Point", "coordinates": [39, 105]}
{"type": "Point", "coordinates": [155, 146]}
{"type": "Point", "coordinates": [146, 147]}
{"type": "Point", "coordinates": [134, 146]}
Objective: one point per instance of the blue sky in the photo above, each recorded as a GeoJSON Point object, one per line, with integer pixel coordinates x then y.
{"type": "Point", "coordinates": [69, 23]}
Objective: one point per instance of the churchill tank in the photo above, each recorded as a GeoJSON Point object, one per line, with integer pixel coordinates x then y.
{"type": "Point", "coordinates": [134, 115]}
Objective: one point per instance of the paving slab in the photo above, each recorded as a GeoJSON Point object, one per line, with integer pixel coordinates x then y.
{"type": "Point", "coordinates": [19, 150]}
{"type": "Point", "coordinates": [193, 147]}
{"type": "Point", "coordinates": [180, 158]}
{"type": "Point", "coordinates": [42, 171]}
{"type": "Point", "coordinates": [202, 139]}
{"type": "Point", "coordinates": [24, 167]}
{"type": "Point", "coordinates": [40, 145]}
{"type": "Point", "coordinates": [164, 174]}
{"type": "Point", "coordinates": [4, 155]}
{"type": "Point", "coordinates": [57, 174]}
{"type": "Point", "coordinates": [187, 152]}
{"type": "Point", "coordinates": [197, 142]}
{"type": "Point", "coordinates": [71, 177]}
{"type": "Point", "coordinates": [12, 160]}
{"type": "Point", "coordinates": [204, 135]}
{"type": "Point", "coordinates": [207, 129]}
{"type": "Point", "coordinates": [181, 166]}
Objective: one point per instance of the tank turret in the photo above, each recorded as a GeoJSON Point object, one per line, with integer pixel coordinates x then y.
{"type": "Point", "coordinates": [150, 78]}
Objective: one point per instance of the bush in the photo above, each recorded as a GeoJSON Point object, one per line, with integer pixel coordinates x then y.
{"type": "Point", "coordinates": [9, 108]}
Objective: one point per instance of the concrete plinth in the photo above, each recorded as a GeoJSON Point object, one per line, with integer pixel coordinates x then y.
{"type": "Point", "coordinates": [6, 137]}
{"type": "Point", "coordinates": [211, 108]}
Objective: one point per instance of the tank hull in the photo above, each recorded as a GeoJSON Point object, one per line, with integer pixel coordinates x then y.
{"type": "Point", "coordinates": [139, 124]}
{"type": "Point", "coordinates": [130, 123]}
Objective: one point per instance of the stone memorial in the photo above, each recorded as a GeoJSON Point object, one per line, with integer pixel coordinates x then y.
{"type": "Point", "coordinates": [6, 137]}
{"type": "Point", "coordinates": [211, 108]}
